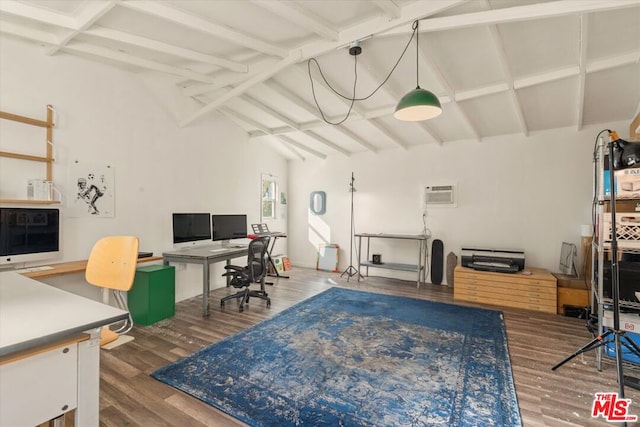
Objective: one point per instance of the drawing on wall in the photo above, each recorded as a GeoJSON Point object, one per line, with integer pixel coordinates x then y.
{"type": "Point", "coordinates": [94, 188]}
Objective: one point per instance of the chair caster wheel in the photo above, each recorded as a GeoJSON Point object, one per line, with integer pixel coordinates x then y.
{"type": "Point", "coordinates": [241, 309]}
{"type": "Point", "coordinates": [268, 303]}
{"type": "Point", "coordinates": [221, 303]}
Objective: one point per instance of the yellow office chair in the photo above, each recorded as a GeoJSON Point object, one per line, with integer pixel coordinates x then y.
{"type": "Point", "coordinates": [112, 265]}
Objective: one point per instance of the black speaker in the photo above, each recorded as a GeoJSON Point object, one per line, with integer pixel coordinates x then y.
{"type": "Point", "coordinates": [376, 259]}
{"type": "Point", "coordinates": [629, 273]}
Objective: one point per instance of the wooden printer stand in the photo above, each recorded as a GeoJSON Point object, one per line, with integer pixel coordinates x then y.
{"type": "Point", "coordinates": [536, 291]}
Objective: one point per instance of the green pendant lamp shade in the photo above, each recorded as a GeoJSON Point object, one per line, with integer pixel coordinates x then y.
{"type": "Point", "coordinates": [417, 105]}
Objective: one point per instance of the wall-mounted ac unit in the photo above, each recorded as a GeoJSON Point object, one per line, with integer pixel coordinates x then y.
{"type": "Point", "coordinates": [441, 196]}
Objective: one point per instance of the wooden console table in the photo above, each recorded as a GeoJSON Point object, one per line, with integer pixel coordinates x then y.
{"type": "Point", "coordinates": [536, 291]}
{"type": "Point", "coordinates": [419, 268]}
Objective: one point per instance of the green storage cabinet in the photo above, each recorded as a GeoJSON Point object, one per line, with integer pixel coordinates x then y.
{"type": "Point", "coordinates": [153, 294]}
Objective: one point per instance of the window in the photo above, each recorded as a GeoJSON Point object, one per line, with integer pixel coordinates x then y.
{"type": "Point", "coordinates": [269, 197]}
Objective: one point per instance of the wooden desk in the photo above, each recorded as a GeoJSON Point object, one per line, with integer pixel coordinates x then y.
{"type": "Point", "coordinates": [205, 256]}
{"type": "Point", "coordinates": [73, 267]}
{"type": "Point", "coordinates": [48, 363]}
{"type": "Point", "coordinates": [536, 291]}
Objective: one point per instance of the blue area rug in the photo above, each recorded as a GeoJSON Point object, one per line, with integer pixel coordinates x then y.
{"type": "Point", "coordinates": [351, 358]}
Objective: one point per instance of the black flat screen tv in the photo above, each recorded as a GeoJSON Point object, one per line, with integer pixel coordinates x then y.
{"type": "Point", "coordinates": [227, 227]}
{"type": "Point", "coordinates": [29, 234]}
{"type": "Point", "coordinates": [191, 227]}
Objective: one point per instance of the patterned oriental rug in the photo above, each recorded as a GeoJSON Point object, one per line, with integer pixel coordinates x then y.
{"type": "Point", "coordinates": [352, 358]}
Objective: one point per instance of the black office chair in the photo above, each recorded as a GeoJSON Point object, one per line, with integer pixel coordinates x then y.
{"type": "Point", "coordinates": [254, 272]}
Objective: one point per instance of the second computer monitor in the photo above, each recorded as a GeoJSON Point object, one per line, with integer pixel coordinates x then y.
{"type": "Point", "coordinates": [228, 227]}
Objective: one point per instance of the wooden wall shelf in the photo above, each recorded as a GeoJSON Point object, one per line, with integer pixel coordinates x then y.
{"type": "Point", "coordinates": [47, 159]}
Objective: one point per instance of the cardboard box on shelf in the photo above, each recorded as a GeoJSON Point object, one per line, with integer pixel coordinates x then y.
{"type": "Point", "coordinates": [627, 183]}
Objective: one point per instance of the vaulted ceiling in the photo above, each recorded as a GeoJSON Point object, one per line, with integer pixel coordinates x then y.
{"type": "Point", "coordinates": [499, 67]}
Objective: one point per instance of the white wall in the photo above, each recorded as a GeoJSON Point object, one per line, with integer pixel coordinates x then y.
{"type": "Point", "coordinates": [514, 192]}
{"type": "Point", "coordinates": [108, 116]}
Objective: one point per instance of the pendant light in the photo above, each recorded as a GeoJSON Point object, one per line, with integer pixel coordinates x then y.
{"type": "Point", "coordinates": [419, 104]}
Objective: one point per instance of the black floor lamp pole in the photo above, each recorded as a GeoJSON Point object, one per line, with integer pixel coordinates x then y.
{"type": "Point", "coordinates": [351, 270]}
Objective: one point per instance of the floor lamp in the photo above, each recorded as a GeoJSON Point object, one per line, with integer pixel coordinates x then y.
{"type": "Point", "coordinates": [622, 155]}
{"type": "Point", "coordinates": [351, 270]}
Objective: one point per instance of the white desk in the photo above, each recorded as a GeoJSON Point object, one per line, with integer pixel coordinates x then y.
{"type": "Point", "coordinates": [205, 255]}
{"type": "Point", "coordinates": [47, 365]}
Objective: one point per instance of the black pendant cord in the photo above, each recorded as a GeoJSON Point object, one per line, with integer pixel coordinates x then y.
{"type": "Point", "coordinates": [354, 98]}
{"type": "Point", "coordinates": [416, 31]}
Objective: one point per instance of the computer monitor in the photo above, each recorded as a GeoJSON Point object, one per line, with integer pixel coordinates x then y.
{"type": "Point", "coordinates": [29, 234]}
{"type": "Point", "coordinates": [228, 227]}
{"type": "Point", "coordinates": [191, 227]}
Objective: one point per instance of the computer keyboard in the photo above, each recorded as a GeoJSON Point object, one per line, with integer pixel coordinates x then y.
{"type": "Point", "coordinates": [32, 269]}
{"type": "Point", "coordinates": [218, 250]}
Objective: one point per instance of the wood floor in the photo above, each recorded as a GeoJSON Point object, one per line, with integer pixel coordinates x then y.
{"type": "Point", "coordinates": [537, 341]}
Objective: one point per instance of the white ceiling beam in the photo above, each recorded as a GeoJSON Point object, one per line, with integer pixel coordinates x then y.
{"type": "Point", "coordinates": [242, 120]}
{"type": "Point", "coordinates": [481, 91]}
{"type": "Point", "coordinates": [154, 45]}
{"type": "Point", "coordinates": [244, 86]}
{"type": "Point", "coordinates": [38, 14]}
{"type": "Point", "coordinates": [291, 149]}
{"type": "Point", "coordinates": [380, 25]}
{"type": "Point", "coordinates": [301, 147]}
{"type": "Point", "coordinates": [386, 132]}
{"type": "Point", "coordinates": [517, 13]}
{"type": "Point", "coordinates": [32, 34]}
{"type": "Point", "coordinates": [326, 142]}
{"type": "Point", "coordinates": [297, 15]}
{"type": "Point", "coordinates": [506, 70]}
{"type": "Point", "coordinates": [292, 97]}
{"type": "Point", "coordinates": [234, 115]}
{"type": "Point", "coordinates": [546, 77]}
{"type": "Point", "coordinates": [613, 62]}
{"type": "Point", "coordinates": [389, 8]}
{"type": "Point", "coordinates": [228, 78]}
{"type": "Point", "coordinates": [196, 23]}
{"type": "Point", "coordinates": [270, 111]}
{"type": "Point", "coordinates": [357, 32]}
{"type": "Point", "coordinates": [343, 130]}
{"type": "Point", "coordinates": [85, 19]}
{"type": "Point", "coordinates": [582, 77]}
{"type": "Point", "coordinates": [134, 60]}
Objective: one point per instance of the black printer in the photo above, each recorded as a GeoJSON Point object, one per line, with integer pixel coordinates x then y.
{"type": "Point", "coordinates": [487, 259]}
